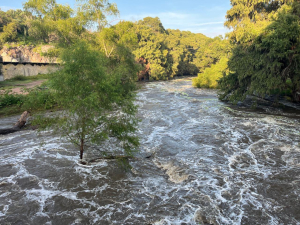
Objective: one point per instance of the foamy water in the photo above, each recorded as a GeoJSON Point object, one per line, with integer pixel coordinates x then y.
{"type": "Point", "coordinates": [210, 163]}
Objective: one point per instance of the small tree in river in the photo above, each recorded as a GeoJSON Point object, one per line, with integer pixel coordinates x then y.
{"type": "Point", "coordinates": [97, 98]}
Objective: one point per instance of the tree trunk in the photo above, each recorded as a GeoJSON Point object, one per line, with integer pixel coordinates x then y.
{"type": "Point", "coordinates": [296, 96]}
{"type": "Point", "coordinates": [81, 148]}
{"type": "Point", "coordinates": [18, 126]}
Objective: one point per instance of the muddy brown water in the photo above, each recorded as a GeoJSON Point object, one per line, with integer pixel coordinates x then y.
{"type": "Point", "coordinates": [210, 162]}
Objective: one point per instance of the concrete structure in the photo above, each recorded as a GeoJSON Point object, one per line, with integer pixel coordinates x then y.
{"type": "Point", "coordinates": [10, 70]}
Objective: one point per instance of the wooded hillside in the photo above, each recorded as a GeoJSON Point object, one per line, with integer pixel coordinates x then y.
{"type": "Point", "coordinates": [162, 53]}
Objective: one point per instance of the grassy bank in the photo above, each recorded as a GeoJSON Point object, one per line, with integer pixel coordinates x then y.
{"type": "Point", "coordinates": [20, 81]}
{"type": "Point", "coordinates": [38, 98]}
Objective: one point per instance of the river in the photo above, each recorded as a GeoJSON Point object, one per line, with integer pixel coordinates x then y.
{"type": "Point", "coordinates": [209, 162]}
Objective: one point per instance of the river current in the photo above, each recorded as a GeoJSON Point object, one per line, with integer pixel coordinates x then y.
{"type": "Point", "coordinates": [209, 163]}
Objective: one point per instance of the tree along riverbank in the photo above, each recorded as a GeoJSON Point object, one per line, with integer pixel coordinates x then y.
{"type": "Point", "coordinates": [210, 162]}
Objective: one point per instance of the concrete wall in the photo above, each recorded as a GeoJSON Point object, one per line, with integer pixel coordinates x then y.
{"type": "Point", "coordinates": [10, 71]}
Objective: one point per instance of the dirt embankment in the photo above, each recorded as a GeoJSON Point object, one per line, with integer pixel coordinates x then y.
{"type": "Point", "coordinates": [20, 88]}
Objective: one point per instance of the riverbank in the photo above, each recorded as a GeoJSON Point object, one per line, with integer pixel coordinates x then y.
{"type": "Point", "coordinates": [24, 93]}
{"type": "Point", "coordinates": [22, 85]}
{"type": "Point", "coordinates": [210, 162]}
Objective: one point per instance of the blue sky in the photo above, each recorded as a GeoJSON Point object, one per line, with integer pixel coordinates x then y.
{"type": "Point", "coordinates": [198, 16]}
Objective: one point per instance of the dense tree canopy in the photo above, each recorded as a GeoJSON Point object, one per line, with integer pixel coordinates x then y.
{"type": "Point", "coordinates": [97, 11]}
{"type": "Point", "coordinates": [162, 53]}
{"type": "Point", "coordinates": [247, 18]}
{"type": "Point", "coordinates": [210, 76]}
{"type": "Point", "coordinates": [266, 62]}
{"type": "Point", "coordinates": [152, 48]}
{"type": "Point", "coordinates": [13, 25]}
{"type": "Point", "coordinates": [169, 53]}
{"type": "Point", "coordinates": [212, 61]}
{"type": "Point", "coordinates": [185, 47]}
{"type": "Point", "coordinates": [55, 21]}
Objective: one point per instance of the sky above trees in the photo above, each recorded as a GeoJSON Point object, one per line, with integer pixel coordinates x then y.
{"type": "Point", "coordinates": [202, 16]}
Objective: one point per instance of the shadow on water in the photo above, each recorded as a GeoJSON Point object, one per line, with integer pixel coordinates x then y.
{"type": "Point", "coordinates": [210, 163]}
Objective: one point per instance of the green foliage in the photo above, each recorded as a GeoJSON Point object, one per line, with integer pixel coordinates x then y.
{"type": "Point", "coordinates": [118, 38]}
{"type": "Point", "coordinates": [163, 53]}
{"type": "Point", "coordinates": [158, 72]}
{"type": "Point", "coordinates": [154, 24]}
{"type": "Point", "coordinates": [60, 24]}
{"type": "Point", "coordinates": [13, 26]}
{"type": "Point", "coordinates": [40, 30]}
{"type": "Point", "coordinates": [97, 97]}
{"type": "Point", "coordinates": [214, 50]}
{"type": "Point", "coordinates": [168, 53]}
{"type": "Point", "coordinates": [248, 18]}
{"type": "Point", "coordinates": [39, 99]}
{"type": "Point", "coordinates": [183, 47]}
{"type": "Point", "coordinates": [209, 78]}
{"type": "Point", "coordinates": [35, 100]}
{"type": "Point", "coordinates": [9, 33]}
{"type": "Point", "coordinates": [8, 99]}
{"type": "Point", "coordinates": [21, 80]}
{"type": "Point", "coordinates": [51, 53]}
{"type": "Point", "coordinates": [97, 11]}
{"type": "Point", "coordinates": [40, 7]}
{"type": "Point", "coordinates": [53, 22]}
{"type": "Point", "coordinates": [270, 63]}
{"type": "Point", "coordinates": [153, 48]}
{"type": "Point", "coordinates": [19, 77]}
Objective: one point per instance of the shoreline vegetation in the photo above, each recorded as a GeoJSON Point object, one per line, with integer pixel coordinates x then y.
{"type": "Point", "coordinates": [160, 53]}
{"type": "Point", "coordinates": [264, 53]}
{"type": "Point", "coordinates": [259, 57]}
{"type": "Point", "coordinates": [12, 103]}
{"type": "Point", "coordinates": [226, 63]}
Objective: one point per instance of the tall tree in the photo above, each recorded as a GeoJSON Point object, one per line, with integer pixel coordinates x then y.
{"type": "Point", "coordinates": [97, 100]}
{"type": "Point", "coordinates": [97, 11]}
{"type": "Point", "coordinates": [54, 19]}
{"type": "Point", "coordinates": [210, 76]}
{"type": "Point", "coordinates": [247, 18]}
{"type": "Point", "coordinates": [184, 47]}
{"type": "Point", "coordinates": [268, 64]}
{"type": "Point", "coordinates": [115, 38]}
{"type": "Point", "coordinates": [153, 49]}
{"type": "Point", "coordinates": [13, 25]}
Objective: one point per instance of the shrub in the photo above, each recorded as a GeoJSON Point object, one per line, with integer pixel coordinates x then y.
{"type": "Point", "coordinates": [8, 99]}
{"type": "Point", "coordinates": [19, 77]}
{"type": "Point", "coordinates": [209, 78]}
{"type": "Point", "coordinates": [39, 99]}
